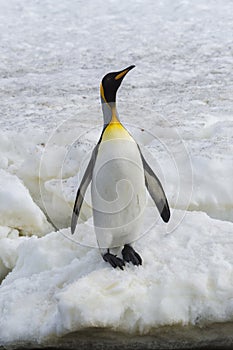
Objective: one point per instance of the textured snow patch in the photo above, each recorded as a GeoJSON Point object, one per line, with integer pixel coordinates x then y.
{"type": "Point", "coordinates": [186, 278]}
{"type": "Point", "coordinates": [17, 209]}
{"type": "Point", "coordinates": [9, 242]}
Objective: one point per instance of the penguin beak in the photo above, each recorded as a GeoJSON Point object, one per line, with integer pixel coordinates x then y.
{"type": "Point", "coordinates": [122, 73]}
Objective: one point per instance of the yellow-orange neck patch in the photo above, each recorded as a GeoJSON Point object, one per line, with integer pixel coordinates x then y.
{"type": "Point", "coordinates": [102, 93]}
{"type": "Point", "coordinates": [115, 130]}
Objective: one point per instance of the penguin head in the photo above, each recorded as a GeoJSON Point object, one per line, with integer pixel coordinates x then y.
{"type": "Point", "coordinates": [110, 84]}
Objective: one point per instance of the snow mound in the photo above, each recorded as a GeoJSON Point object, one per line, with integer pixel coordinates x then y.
{"type": "Point", "coordinates": [186, 278]}
{"type": "Point", "coordinates": [17, 209]}
{"type": "Point", "coordinates": [10, 241]}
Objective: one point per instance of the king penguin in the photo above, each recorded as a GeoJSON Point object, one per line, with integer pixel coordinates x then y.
{"type": "Point", "coordinates": [119, 176]}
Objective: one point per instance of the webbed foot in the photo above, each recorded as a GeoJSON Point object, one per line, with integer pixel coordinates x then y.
{"type": "Point", "coordinates": [114, 260]}
{"type": "Point", "coordinates": [130, 255]}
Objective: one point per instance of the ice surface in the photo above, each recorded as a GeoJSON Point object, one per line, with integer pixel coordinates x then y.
{"type": "Point", "coordinates": [178, 105]}
{"type": "Point", "coordinates": [17, 209]}
{"type": "Point", "coordinates": [186, 278]}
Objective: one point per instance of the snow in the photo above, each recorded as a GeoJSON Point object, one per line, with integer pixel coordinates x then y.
{"type": "Point", "coordinates": [186, 278]}
{"type": "Point", "coordinates": [17, 209]}
{"type": "Point", "coordinates": [178, 105]}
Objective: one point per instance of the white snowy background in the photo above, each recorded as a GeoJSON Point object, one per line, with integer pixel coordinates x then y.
{"type": "Point", "coordinates": [177, 102]}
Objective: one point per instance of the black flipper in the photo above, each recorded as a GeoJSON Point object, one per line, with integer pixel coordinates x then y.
{"type": "Point", "coordinates": [130, 255]}
{"type": "Point", "coordinates": [156, 190]}
{"type": "Point", "coordinates": [82, 189]}
{"type": "Point", "coordinates": [114, 260]}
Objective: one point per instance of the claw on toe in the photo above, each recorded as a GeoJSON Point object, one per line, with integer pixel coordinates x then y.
{"type": "Point", "coordinates": [130, 255]}
{"type": "Point", "coordinates": [114, 260]}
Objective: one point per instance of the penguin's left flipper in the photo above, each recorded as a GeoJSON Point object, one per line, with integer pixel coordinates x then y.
{"type": "Point", "coordinates": [114, 260]}
{"type": "Point", "coordinates": [130, 255]}
{"type": "Point", "coordinates": [82, 189]}
{"type": "Point", "coordinates": [156, 190]}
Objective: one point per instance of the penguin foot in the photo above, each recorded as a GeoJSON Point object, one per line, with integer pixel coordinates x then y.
{"type": "Point", "coordinates": [130, 255]}
{"type": "Point", "coordinates": [114, 260]}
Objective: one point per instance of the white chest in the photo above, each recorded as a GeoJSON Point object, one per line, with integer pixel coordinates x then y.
{"type": "Point", "coordinates": [118, 188]}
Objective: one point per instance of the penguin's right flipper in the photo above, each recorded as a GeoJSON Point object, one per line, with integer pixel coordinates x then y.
{"type": "Point", "coordinates": [156, 190]}
{"type": "Point", "coordinates": [82, 189]}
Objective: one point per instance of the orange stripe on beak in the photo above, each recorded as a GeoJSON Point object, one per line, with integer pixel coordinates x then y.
{"type": "Point", "coordinates": [120, 75]}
